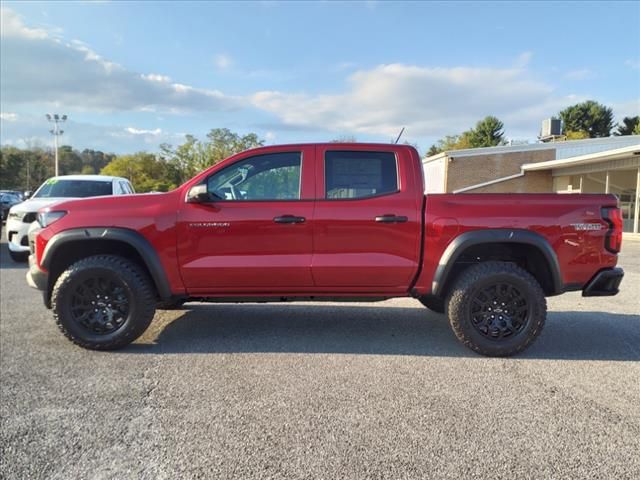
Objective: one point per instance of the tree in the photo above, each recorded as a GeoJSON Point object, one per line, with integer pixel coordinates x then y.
{"type": "Point", "coordinates": [223, 143]}
{"type": "Point", "coordinates": [146, 172]}
{"type": "Point", "coordinates": [344, 139]}
{"type": "Point", "coordinates": [95, 160]}
{"type": "Point", "coordinates": [24, 169]}
{"type": "Point", "coordinates": [449, 142]}
{"type": "Point", "coordinates": [591, 117]}
{"type": "Point", "coordinates": [193, 156]}
{"type": "Point", "coordinates": [628, 127]}
{"type": "Point", "coordinates": [636, 131]}
{"type": "Point", "coordinates": [577, 135]}
{"type": "Point", "coordinates": [488, 132]}
{"type": "Point", "coordinates": [69, 160]}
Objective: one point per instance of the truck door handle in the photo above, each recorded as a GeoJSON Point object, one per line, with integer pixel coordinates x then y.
{"type": "Point", "coordinates": [391, 218]}
{"type": "Point", "coordinates": [289, 219]}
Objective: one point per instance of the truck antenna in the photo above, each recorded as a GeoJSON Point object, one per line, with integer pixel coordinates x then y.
{"type": "Point", "coordinates": [399, 135]}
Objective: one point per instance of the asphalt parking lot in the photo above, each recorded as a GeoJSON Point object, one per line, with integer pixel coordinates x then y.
{"type": "Point", "coordinates": [321, 391]}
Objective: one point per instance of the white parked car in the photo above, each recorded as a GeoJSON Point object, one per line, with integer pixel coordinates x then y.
{"type": "Point", "coordinates": [54, 190]}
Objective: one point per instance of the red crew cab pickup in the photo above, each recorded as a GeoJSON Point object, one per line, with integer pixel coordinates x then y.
{"type": "Point", "coordinates": [341, 222]}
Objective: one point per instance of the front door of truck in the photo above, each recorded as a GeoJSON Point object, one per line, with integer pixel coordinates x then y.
{"type": "Point", "coordinates": [367, 221]}
{"type": "Point", "coordinates": [256, 234]}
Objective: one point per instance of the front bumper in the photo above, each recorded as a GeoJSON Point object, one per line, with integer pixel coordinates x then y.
{"type": "Point", "coordinates": [17, 235]}
{"type": "Point", "coordinates": [605, 283]}
{"type": "Point", "coordinates": [37, 278]}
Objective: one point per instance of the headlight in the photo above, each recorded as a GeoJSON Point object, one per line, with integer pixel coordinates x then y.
{"type": "Point", "coordinates": [24, 217]}
{"type": "Point", "coordinates": [16, 215]}
{"type": "Point", "coordinates": [47, 218]}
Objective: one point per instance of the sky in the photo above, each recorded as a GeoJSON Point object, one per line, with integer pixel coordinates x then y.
{"type": "Point", "coordinates": [132, 75]}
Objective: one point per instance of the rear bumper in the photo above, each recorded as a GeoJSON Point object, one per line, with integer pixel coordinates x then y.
{"type": "Point", "coordinates": [605, 283]}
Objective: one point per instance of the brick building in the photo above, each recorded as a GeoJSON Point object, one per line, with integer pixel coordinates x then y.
{"type": "Point", "coordinates": [598, 165]}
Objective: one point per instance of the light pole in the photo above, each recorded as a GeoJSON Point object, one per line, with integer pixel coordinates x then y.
{"type": "Point", "coordinates": [56, 132]}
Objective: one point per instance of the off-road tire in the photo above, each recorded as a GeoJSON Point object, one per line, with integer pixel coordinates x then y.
{"type": "Point", "coordinates": [141, 293]}
{"type": "Point", "coordinates": [433, 303]}
{"type": "Point", "coordinates": [18, 257]}
{"type": "Point", "coordinates": [481, 276]}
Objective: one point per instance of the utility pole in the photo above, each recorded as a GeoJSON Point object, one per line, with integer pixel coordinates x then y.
{"type": "Point", "coordinates": [56, 132]}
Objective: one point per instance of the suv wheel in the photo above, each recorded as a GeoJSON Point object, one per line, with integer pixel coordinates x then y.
{"type": "Point", "coordinates": [496, 308]}
{"type": "Point", "coordinates": [103, 302]}
{"type": "Point", "coordinates": [19, 257]}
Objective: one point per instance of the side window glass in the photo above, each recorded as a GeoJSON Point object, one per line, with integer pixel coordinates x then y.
{"type": "Point", "coordinates": [356, 174]}
{"type": "Point", "coordinates": [273, 176]}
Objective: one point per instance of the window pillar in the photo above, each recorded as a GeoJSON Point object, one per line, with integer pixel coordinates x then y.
{"type": "Point", "coordinates": [636, 214]}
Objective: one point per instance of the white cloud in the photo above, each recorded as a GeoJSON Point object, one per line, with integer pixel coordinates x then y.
{"type": "Point", "coordinates": [38, 69]}
{"type": "Point", "coordinates": [154, 77]}
{"type": "Point", "coordinates": [579, 74]}
{"type": "Point", "coordinates": [523, 59]}
{"type": "Point", "coordinates": [8, 116]}
{"type": "Point", "coordinates": [140, 131]}
{"type": "Point", "coordinates": [629, 108]}
{"type": "Point", "coordinates": [30, 130]}
{"type": "Point", "coordinates": [428, 101]}
{"type": "Point", "coordinates": [633, 63]}
{"type": "Point", "coordinates": [222, 61]}
{"type": "Point", "coordinates": [13, 27]}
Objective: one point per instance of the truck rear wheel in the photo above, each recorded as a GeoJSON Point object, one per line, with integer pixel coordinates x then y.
{"type": "Point", "coordinates": [103, 302]}
{"type": "Point", "coordinates": [496, 308]}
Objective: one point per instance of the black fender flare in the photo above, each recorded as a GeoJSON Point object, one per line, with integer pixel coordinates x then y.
{"type": "Point", "coordinates": [131, 237]}
{"type": "Point", "coordinates": [476, 237]}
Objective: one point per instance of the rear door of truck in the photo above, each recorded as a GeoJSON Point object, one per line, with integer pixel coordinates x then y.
{"type": "Point", "coordinates": [367, 220]}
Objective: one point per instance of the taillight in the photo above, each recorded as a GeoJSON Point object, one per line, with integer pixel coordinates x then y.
{"type": "Point", "coordinates": [613, 239]}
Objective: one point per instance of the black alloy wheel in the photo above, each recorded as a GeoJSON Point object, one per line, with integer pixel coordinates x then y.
{"type": "Point", "coordinates": [499, 311]}
{"type": "Point", "coordinates": [100, 304]}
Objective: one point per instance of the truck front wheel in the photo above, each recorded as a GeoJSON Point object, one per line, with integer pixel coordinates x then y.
{"type": "Point", "coordinates": [103, 302]}
{"type": "Point", "coordinates": [496, 308]}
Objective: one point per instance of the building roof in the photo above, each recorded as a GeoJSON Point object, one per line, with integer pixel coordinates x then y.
{"type": "Point", "coordinates": [612, 154]}
{"type": "Point", "coordinates": [565, 149]}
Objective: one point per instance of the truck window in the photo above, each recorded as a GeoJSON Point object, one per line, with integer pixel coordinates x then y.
{"type": "Point", "coordinates": [274, 176]}
{"type": "Point", "coordinates": [356, 174]}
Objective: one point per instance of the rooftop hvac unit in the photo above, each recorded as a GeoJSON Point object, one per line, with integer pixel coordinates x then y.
{"type": "Point", "coordinates": [551, 127]}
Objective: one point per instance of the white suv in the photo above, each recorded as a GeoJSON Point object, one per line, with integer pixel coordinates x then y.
{"type": "Point", "coordinates": [54, 190]}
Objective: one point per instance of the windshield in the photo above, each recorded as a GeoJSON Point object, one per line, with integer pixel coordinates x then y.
{"type": "Point", "coordinates": [56, 188]}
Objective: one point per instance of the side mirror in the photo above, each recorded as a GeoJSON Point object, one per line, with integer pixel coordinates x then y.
{"type": "Point", "coordinates": [199, 194]}
{"type": "Point", "coordinates": [27, 194]}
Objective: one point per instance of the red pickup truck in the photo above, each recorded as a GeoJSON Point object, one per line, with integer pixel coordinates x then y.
{"type": "Point", "coordinates": [339, 222]}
